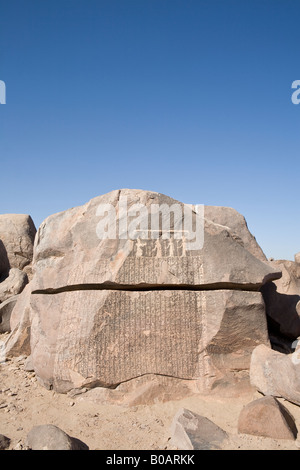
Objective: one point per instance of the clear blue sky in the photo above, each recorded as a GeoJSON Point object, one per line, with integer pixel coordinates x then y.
{"type": "Point", "coordinates": [190, 98]}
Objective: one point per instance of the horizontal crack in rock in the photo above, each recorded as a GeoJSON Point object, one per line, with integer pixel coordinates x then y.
{"type": "Point", "coordinates": [147, 287]}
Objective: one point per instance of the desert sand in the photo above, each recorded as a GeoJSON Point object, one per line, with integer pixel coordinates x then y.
{"type": "Point", "coordinates": [25, 403]}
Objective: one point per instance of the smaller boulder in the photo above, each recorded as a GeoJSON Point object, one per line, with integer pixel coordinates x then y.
{"type": "Point", "coordinates": [50, 437]}
{"type": "Point", "coordinates": [17, 233]}
{"type": "Point", "coordinates": [190, 431]}
{"type": "Point", "coordinates": [268, 418]}
{"type": "Point", "coordinates": [276, 374]}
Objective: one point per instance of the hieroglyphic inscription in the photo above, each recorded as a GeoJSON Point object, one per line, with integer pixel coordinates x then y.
{"type": "Point", "coordinates": [108, 337]}
{"type": "Point", "coordinates": [166, 270]}
{"type": "Point", "coordinates": [124, 334]}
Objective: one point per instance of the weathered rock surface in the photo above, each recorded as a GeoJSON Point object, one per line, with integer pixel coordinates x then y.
{"type": "Point", "coordinates": [268, 418]}
{"type": "Point", "coordinates": [190, 431]}
{"type": "Point", "coordinates": [5, 313]}
{"type": "Point", "coordinates": [28, 367]}
{"type": "Point", "coordinates": [17, 232]}
{"type": "Point", "coordinates": [282, 298]}
{"type": "Point", "coordinates": [13, 284]}
{"type": "Point", "coordinates": [67, 243]}
{"type": "Point", "coordinates": [105, 338]}
{"type": "Point", "coordinates": [18, 342]}
{"type": "Point", "coordinates": [238, 228]}
{"type": "Point", "coordinates": [122, 308]}
{"type": "Point", "coordinates": [144, 390]}
{"type": "Point", "coordinates": [276, 374]}
{"type": "Point", "coordinates": [50, 437]}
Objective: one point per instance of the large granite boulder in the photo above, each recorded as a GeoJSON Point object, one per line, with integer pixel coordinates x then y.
{"type": "Point", "coordinates": [102, 310]}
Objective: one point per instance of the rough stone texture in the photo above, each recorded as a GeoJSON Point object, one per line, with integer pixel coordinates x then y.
{"type": "Point", "coordinates": [67, 243]}
{"type": "Point", "coordinates": [17, 232]}
{"type": "Point", "coordinates": [28, 365]}
{"type": "Point", "coordinates": [267, 417]}
{"type": "Point", "coordinates": [50, 437]}
{"type": "Point", "coordinates": [237, 226]}
{"type": "Point", "coordinates": [282, 299]}
{"type": "Point", "coordinates": [150, 389]}
{"type": "Point", "coordinates": [145, 390]}
{"type": "Point", "coordinates": [276, 374]}
{"type": "Point", "coordinates": [100, 312]}
{"type": "Point", "coordinates": [190, 431]}
{"type": "Point", "coordinates": [13, 284]}
{"type": "Point", "coordinates": [18, 342]}
{"type": "Point", "coordinates": [5, 313]}
{"type": "Point", "coordinates": [108, 337]}
{"type": "Point", "coordinates": [4, 442]}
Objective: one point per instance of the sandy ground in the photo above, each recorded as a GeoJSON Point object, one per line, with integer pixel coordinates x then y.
{"type": "Point", "coordinates": [25, 403]}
